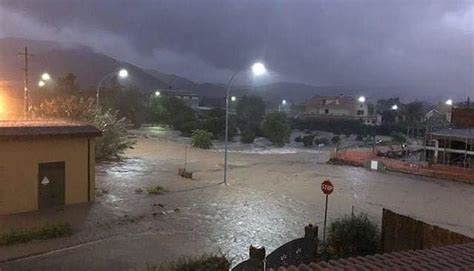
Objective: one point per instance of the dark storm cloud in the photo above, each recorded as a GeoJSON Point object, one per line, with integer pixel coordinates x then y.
{"type": "Point", "coordinates": [360, 43]}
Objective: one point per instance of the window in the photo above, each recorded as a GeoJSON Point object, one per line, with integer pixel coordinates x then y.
{"type": "Point", "coordinates": [360, 112]}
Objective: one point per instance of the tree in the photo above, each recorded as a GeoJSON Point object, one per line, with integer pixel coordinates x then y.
{"type": "Point", "coordinates": [114, 129]}
{"type": "Point", "coordinates": [250, 112]}
{"type": "Point", "coordinates": [174, 112]}
{"type": "Point", "coordinates": [275, 127]}
{"type": "Point", "coordinates": [129, 102]}
{"type": "Point", "coordinates": [214, 122]}
{"type": "Point", "coordinates": [414, 112]}
{"type": "Point", "coordinates": [67, 85]}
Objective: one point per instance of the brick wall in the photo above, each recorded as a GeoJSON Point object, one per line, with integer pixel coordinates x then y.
{"type": "Point", "coordinates": [463, 117]}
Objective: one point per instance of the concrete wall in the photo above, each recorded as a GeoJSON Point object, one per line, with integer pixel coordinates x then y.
{"type": "Point", "coordinates": [401, 233]}
{"type": "Point", "coordinates": [19, 161]}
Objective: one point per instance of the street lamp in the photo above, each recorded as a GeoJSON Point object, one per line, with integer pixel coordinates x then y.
{"type": "Point", "coordinates": [233, 99]}
{"type": "Point", "coordinates": [45, 77]}
{"type": "Point", "coordinates": [283, 103]}
{"type": "Point", "coordinates": [41, 83]}
{"type": "Point", "coordinates": [361, 99]}
{"type": "Point", "coordinates": [394, 107]}
{"type": "Point", "coordinates": [449, 102]}
{"type": "Point", "coordinates": [122, 73]}
{"type": "Point", "coordinates": [257, 69]}
{"type": "Point", "coordinates": [157, 93]}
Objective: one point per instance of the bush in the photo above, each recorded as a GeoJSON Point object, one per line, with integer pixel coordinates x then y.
{"type": "Point", "coordinates": [308, 140]}
{"type": "Point", "coordinates": [298, 139]}
{"type": "Point", "coordinates": [276, 129]}
{"type": "Point", "coordinates": [247, 136]}
{"type": "Point", "coordinates": [352, 236]}
{"type": "Point", "coordinates": [156, 190]}
{"type": "Point", "coordinates": [214, 122]}
{"type": "Point", "coordinates": [48, 231]}
{"type": "Point", "coordinates": [114, 139]}
{"type": "Point", "coordinates": [173, 111]}
{"type": "Point", "coordinates": [202, 263]}
{"type": "Point", "coordinates": [201, 139]}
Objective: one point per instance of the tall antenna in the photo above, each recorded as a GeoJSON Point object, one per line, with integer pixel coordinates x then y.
{"type": "Point", "coordinates": [26, 96]}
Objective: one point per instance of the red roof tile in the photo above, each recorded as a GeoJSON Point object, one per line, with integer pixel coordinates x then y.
{"type": "Point", "coordinates": [454, 257]}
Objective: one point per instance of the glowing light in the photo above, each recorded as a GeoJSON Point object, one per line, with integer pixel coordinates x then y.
{"type": "Point", "coordinates": [361, 99]}
{"type": "Point", "coordinates": [258, 69]}
{"type": "Point", "coordinates": [41, 83]}
{"type": "Point", "coordinates": [233, 98]}
{"type": "Point", "coordinates": [123, 73]}
{"type": "Point", "coordinates": [449, 102]}
{"type": "Point", "coordinates": [283, 102]}
{"type": "Point", "coordinates": [45, 77]}
{"type": "Point", "coordinates": [157, 93]}
{"type": "Point", "coordinates": [394, 107]}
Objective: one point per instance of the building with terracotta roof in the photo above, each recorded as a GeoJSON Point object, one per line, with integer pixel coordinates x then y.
{"type": "Point", "coordinates": [46, 164]}
{"type": "Point", "coordinates": [340, 107]}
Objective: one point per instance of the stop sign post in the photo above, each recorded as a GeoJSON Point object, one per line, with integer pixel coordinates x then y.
{"type": "Point", "coordinates": [327, 188]}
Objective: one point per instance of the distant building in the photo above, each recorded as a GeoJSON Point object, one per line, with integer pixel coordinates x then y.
{"type": "Point", "coordinates": [340, 107]}
{"type": "Point", "coordinates": [463, 117]}
{"type": "Point", "coordinates": [190, 98]}
{"type": "Point", "coordinates": [440, 111]}
{"type": "Point", "coordinates": [451, 146]}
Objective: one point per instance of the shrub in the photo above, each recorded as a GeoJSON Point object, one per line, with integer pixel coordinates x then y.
{"type": "Point", "coordinates": [308, 140]}
{"type": "Point", "coordinates": [201, 139]}
{"type": "Point", "coordinates": [352, 236]}
{"type": "Point", "coordinates": [202, 263]}
{"type": "Point", "coordinates": [276, 128]}
{"type": "Point", "coordinates": [298, 139]}
{"type": "Point", "coordinates": [114, 139]}
{"type": "Point", "coordinates": [247, 136]}
{"type": "Point", "coordinates": [156, 190]}
{"type": "Point", "coordinates": [214, 122]}
{"type": "Point", "coordinates": [47, 231]}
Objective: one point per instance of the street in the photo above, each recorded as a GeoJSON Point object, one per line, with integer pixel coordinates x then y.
{"type": "Point", "coordinates": [270, 198]}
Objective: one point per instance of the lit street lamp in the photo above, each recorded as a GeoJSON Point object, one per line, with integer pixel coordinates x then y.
{"type": "Point", "coordinates": [123, 73]}
{"type": "Point", "coordinates": [41, 83]}
{"type": "Point", "coordinates": [45, 77]}
{"type": "Point", "coordinates": [394, 107]}
{"type": "Point", "coordinates": [449, 102]}
{"type": "Point", "coordinates": [257, 69]}
{"type": "Point", "coordinates": [361, 99]}
{"type": "Point", "coordinates": [157, 93]}
{"type": "Point", "coordinates": [233, 99]}
{"type": "Point", "coordinates": [283, 103]}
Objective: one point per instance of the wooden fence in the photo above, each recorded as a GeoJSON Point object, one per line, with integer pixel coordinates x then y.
{"type": "Point", "coordinates": [401, 233]}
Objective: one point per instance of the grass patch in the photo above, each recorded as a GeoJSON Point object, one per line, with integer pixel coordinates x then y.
{"type": "Point", "coordinates": [156, 190]}
{"type": "Point", "coordinates": [201, 263]}
{"type": "Point", "coordinates": [48, 231]}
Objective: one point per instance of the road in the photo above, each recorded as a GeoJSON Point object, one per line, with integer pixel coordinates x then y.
{"type": "Point", "coordinates": [270, 197]}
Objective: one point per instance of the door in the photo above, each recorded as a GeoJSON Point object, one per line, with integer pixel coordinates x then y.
{"type": "Point", "coordinates": [51, 184]}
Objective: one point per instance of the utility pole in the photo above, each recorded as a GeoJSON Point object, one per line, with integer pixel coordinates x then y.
{"type": "Point", "coordinates": [26, 95]}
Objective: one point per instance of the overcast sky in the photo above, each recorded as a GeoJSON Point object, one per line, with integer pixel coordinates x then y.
{"type": "Point", "coordinates": [362, 43]}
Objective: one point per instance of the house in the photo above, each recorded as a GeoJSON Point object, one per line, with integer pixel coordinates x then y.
{"type": "Point", "coordinates": [340, 107]}
{"type": "Point", "coordinates": [46, 164]}
{"type": "Point", "coordinates": [190, 98]}
{"type": "Point", "coordinates": [440, 111]}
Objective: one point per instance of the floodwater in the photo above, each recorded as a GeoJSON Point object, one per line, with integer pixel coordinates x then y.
{"type": "Point", "coordinates": [272, 194]}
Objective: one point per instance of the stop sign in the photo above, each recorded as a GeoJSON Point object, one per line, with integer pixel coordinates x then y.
{"type": "Point", "coordinates": [327, 187]}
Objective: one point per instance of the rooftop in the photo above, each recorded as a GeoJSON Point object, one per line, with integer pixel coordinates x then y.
{"type": "Point", "coordinates": [455, 133]}
{"type": "Point", "coordinates": [454, 257]}
{"type": "Point", "coordinates": [34, 128]}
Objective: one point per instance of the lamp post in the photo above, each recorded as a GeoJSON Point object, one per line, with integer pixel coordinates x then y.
{"type": "Point", "coordinates": [257, 69]}
{"type": "Point", "coordinates": [123, 73]}
{"type": "Point", "coordinates": [283, 103]}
